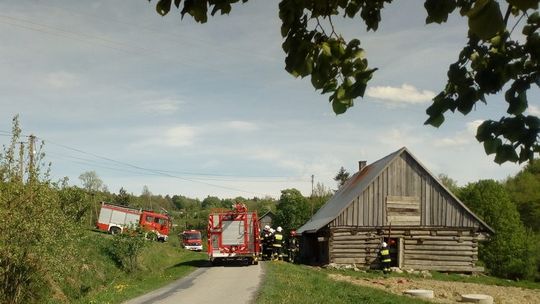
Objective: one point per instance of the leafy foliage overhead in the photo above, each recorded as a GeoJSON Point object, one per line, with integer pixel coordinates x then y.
{"type": "Point", "coordinates": [494, 57]}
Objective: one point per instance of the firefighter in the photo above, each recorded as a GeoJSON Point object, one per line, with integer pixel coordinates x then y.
{"type": "Point", "coordinates": [270, 243]}
{"type": "Point", "coordinates": [292, 246]}
{"type": "Point", "coordinates": [278, 244]}
{"type": "Point", "coordinates": [266, 243]}
{"type": "Point", "coordinates": [384, 258]}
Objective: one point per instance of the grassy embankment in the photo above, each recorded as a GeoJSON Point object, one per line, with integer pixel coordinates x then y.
{"type": "Point", "coordinates": [288, 283]}
{"type": "Point", "coordinates": [99, 279]}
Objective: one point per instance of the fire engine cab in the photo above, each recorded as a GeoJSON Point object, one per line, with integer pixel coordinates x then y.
{"type": "Point", "coordinates": [191, 240]}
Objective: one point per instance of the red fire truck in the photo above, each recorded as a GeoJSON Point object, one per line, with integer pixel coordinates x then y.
{"type": "Point", "coordinates": [191, 240]}
{"type": "Point", "coordinates": [114, 219]}
{"type": "Point", "coordinates": [233, 235]}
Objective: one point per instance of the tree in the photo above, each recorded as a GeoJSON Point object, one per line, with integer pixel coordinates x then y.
{"type": "Point", "coordinates": [321, 194]}
{"type": "Point", "coordinates": [341, 177]}
{"type": "Point", "coordinates": [506, 253]}
{"type": "Point", "coordinates": [122, 198]}
{"type": "Point", "coordinates": [91, 181]}
{"type": "Point", "coordinates": [211, 202]}
{"type": "Point", "coordinates": [292, 211]}
{"type": "Point", "coordinates": [524, 188]}
{"type": "Point", "coordinates": [449, 183]}
{"type": "Point", "coordinates": [496, 56]}
{"type": "Point", "coordinates": [74, 201]}
{"type": "Point", "coordinates": [36, 238]}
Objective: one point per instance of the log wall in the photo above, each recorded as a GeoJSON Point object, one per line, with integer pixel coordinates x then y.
{"type": "Point", "coordinates": [439, 249]}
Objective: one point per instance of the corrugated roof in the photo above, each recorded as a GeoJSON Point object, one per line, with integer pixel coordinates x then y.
{"type": "Point", "coordinates": [344, 196]}
{"type": "Point", "coordinates": [356, 185]}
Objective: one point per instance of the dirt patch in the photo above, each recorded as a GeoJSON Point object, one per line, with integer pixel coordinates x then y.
{"type": "Point", "coordinates": [448, 292]}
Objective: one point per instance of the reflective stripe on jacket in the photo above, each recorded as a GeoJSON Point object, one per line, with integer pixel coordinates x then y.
{"type": "Point", "coordinates": [278, 238]}
{"type": "Point", "coordinates": [385, 255]}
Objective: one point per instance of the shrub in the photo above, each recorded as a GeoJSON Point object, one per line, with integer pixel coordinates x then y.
{"type": "Point", "coordinates": [125, 249]}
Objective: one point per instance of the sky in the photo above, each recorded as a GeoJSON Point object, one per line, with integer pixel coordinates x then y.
{"type": "Point", "coordinates": [208, 109]}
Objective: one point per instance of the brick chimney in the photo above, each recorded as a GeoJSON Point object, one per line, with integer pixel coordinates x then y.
{"type": "Point", "coordinates": [361, 165]}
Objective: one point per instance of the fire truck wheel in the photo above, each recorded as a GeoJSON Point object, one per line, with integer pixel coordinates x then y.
{"type": "Point", "coordinates": [115, 230]}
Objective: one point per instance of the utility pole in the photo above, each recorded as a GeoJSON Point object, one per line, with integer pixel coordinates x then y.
{"type": "Point", "coordinates": [21, 161]}
{"type": "Point", "coordinates": [312, 178]}
{"type": "Point", "coordinates": [31, 152]}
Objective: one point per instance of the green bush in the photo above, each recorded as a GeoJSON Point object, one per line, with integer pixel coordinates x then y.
{"type": "Point", "coordinates": [125, 249]}
{"type": "Point", "coordinates": [36, 238]}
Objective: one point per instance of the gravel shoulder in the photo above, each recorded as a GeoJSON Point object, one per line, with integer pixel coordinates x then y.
{"type": "Point", "coordinates": [447, 292]}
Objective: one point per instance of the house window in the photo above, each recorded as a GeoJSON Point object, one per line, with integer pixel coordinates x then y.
{"type": "Point", "coordinates": [403, 210]}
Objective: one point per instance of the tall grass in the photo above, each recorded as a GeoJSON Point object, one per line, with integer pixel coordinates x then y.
{"type": "Point", "coordinates": [99, 279]}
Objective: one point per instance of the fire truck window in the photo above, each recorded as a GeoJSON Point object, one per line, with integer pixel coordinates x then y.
{"type": "Point", "coordinates": [160, 221]}
{"type": "Point", "coordinates": [149, 218]}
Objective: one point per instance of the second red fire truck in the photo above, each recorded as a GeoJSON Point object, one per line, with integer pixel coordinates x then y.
{"type": "Point", "coordinates": [115, 219]}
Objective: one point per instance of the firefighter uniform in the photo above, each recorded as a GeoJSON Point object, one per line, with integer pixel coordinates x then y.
{"type": "Point", "coordinates": [384, 256]}
{"type": "Point", "coordinates": [266, 243]}
{"type": "Point", "coordinates": [292, 247]}
{"type": "Point", "coordinates": [278, 244]}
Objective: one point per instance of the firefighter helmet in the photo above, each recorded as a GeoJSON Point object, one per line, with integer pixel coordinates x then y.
{"type": "Point", "coordinates": [279, 229]}
{"type": "Point", "coordinates": [384, 244]}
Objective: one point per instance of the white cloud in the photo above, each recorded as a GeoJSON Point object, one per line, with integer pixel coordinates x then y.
{"type": "Point", "coordinates": [241, 125]}
{"type": "Point", "coordinates": [455, 141]}
{"type": "Point", "coordinates": [461, 138]}
{"type": "Point", "coordinates": [179, 136]}
{"type": "Point", "coordinates": [402, 137]}
{"type": "Point", "coordinates": [406, 94]}
{"type": "Point", "coordinates": [162, 106]}
{"type": "Point", "coordinates": [473, 125]}
{"type": "Point", "coordinates": [533, 110]}
{"type": "Point", "coordinates": [175, 136]}
{"type": "Point", "coordinates": [61, 80]}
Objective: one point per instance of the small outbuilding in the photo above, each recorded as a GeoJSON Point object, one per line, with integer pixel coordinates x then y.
{"type": "Point", "coordinates": [266, 219]}
{"type": "Point", "coordinates": [398, 201]}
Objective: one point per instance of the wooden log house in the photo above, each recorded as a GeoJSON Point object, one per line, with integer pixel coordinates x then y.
{"type": "Point", "coordinates": [396, 200]}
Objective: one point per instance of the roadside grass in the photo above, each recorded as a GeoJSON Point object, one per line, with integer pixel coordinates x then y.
{"type": "Point", "coordinates": [440, 276]}
{"type": "Point", "coordinates": [291, 284]}
{"type": "Point", "coordinates": [99, 280]}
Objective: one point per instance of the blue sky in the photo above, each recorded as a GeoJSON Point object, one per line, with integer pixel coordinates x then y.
{"type": "Point", "coordinates": [200, 110]}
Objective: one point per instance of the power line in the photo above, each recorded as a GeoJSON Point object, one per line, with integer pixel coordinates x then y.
{"type": "Point", "coordinates": [153, 171]}
{"type": "Point", "coordinates": [43, 28]}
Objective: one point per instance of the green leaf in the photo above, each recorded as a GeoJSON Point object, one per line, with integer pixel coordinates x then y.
{"type": "Point", "coordinates": [491, 145]}
{"type": "Point", "coordinates": [524, 4]}
{"type": "Point", "coordinates": [340, 106]}
{"type": "Point", "coordinates": [340, 93]}
{"type": "Point", "coordinates": [163, 7]}
{"type": "Point", "coordinates": [483, 132]}
{"type": "Point", "coordinates": [438, 10]}
{"type": "Point", "coordinates": [435, 120]}
{"type": "Point", "coordinates": [358, 89]}
{"type": "Point", "coordinates": [532, 122]}
{"type": "Point", "coordinates": [518, 104]}
{"type": "Point", "coordinates": [485, 19]}
{"type": "Point", "coordinates": [326, 50]}
{"type": "Point", "coordinates": [506, 153]}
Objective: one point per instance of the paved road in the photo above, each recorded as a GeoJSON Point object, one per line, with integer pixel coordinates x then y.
{"type": "Point", "coordinates": [229, 284]}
